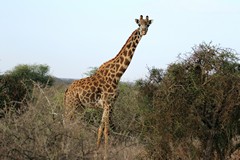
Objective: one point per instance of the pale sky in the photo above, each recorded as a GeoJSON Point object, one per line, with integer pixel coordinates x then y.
{"type": "Point", "coordinates": [72, 35]}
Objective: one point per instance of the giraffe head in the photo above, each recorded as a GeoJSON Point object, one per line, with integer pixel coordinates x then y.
{"type": "Point", "coordinates": [143, 24]}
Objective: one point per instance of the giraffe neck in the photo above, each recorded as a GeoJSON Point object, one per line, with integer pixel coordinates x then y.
{"type": "Point", "coordinates": [115, 68]}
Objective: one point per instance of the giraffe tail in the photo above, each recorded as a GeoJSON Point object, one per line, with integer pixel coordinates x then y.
{"type": "Point", "coordinates": [64, 98]}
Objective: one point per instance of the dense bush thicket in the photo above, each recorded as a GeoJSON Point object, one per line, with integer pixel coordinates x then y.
{"type": "Point", "coordinates": [196, 106]}
{"type": "Point", "coordinates": [188, 111]}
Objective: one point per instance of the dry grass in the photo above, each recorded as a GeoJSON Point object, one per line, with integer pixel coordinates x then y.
{"type": "Point", "coordinates": [39, 133]}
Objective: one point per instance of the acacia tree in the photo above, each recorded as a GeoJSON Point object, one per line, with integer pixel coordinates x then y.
{"type": "Point", "coordinates": [199, 100]}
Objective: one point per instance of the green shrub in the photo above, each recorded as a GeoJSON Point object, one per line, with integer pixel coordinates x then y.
{"type": "Point", "coordinates": [16, 85]}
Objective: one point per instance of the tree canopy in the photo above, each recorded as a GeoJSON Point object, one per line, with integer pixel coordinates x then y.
{"type": "Point", "coordinates": [37, 73]}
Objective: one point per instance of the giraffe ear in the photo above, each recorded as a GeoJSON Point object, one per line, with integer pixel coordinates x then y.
{"type": "Point", "coordinates": [137, 21]}
{"type": "Point", "coordinates": [150, 21]}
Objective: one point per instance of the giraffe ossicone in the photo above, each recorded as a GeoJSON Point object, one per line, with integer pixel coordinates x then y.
{"type": "Point", "coordinates": [100, 89]}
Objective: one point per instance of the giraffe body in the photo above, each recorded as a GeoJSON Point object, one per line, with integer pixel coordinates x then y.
{"type": "Point", "coordinates": [100, 90]}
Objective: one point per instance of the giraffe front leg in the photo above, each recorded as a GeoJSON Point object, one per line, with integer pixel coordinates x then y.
{"type": "Point", "coordinates": [104, 124]}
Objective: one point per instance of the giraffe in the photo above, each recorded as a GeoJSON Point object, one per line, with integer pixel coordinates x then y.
{"type": "Point", "coordinates": [100, 90]}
